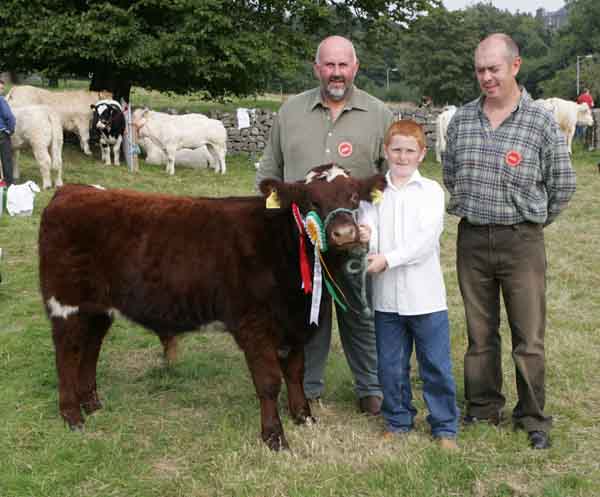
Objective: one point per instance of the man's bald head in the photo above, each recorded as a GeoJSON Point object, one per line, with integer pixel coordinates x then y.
{"type": "Point", "coordinates": [335, 43]}
{"type": "Point", "coordinates": [511, 49]}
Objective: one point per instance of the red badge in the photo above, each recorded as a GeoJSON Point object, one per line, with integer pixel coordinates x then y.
{"type": "Point", "coordinates": [345, 149]}
{"type": "Point", "coordinates": [513, 158]}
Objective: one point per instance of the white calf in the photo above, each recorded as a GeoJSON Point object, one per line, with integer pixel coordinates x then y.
{"type": "Point", "coordinates": [198, 158]}
{"type": "Point", "coordinates": [175, 132]}
{"type": "Point", "coordinates": [38, 127]}
{"type": "Point", "coordinates": [72, 107]}
{"type": "Point", "coordinates": [441, 130]}
{"type": "Point", "coordinates": [568, 114]}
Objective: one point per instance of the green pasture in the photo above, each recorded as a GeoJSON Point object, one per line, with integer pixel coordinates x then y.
{"type": "Point", "coordinates": [192, 429]}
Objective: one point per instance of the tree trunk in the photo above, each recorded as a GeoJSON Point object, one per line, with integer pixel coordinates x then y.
{"type": "Point", "coordinates": [105, 79]}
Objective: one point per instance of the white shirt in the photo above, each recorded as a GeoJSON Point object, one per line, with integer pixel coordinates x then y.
{"type": "Point", "coordinates": [405, 228]}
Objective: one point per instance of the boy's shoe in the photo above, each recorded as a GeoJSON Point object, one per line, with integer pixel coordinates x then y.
{"type": "Point", "coordinates": [448, 444]}
{"type": "Point", "coordinates": [392, 435]}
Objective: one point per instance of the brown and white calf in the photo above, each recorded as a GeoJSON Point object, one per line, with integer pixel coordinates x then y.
{"type": "Point", "coordinates": [173, 263]}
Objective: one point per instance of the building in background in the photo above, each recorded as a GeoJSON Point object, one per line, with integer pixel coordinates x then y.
{"type": "Point", "coordinates": [553, 20]}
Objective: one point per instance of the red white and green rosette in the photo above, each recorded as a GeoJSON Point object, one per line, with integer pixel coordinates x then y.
{"type": "Point", "coordinates": [316, 231]}
{"type": "Point", "coordinates": [316, 234]}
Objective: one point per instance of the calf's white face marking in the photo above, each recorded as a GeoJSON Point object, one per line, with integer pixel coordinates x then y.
{"type": "Point", "coordinates": [328, 174]}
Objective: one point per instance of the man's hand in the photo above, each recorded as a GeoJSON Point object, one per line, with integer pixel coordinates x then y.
{"type": "Point", "coordinates": [377, 263]}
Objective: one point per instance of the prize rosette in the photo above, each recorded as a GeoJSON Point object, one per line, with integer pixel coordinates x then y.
{"type": "Point", "coordinates": [316, 231]}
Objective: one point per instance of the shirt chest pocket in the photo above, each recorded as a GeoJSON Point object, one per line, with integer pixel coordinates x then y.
{"type": "Point", "coordinates": [352, 149]}
{"type": "Point", "coordinates": [521, 167]}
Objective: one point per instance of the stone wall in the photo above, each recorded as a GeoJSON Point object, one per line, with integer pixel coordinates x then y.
{"type": "Point", "coordinates": [253, 139]}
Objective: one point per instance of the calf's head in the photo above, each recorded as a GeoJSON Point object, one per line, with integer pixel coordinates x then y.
{"type": "Point", "coordinates": [331, 193]}
{"type": "Point", "coordinates": [105, 113]}
{"type": "Point", "coordinates": [584, 115]}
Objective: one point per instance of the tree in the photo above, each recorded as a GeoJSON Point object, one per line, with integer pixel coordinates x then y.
{"type": "Point", "coordinates": [579, 37]}
{"type": "Point", "coordinates": [439, 55]}
{"type": "Point", "coordinates": [218, 46]}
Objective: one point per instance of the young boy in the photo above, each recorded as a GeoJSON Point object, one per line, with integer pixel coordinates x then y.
{"type": "Point", "coordinates": [409, 296]}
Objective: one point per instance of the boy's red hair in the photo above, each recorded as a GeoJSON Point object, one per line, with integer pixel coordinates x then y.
{"type": "Point", "coordinates": [406, 127]}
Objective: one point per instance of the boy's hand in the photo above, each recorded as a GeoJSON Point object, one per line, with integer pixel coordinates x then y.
{"type": "Point", "coordinates": [377, 263]}
{"type": "Point", "coordinates": [364, 233]}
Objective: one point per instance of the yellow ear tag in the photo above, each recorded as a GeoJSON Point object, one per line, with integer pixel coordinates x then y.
{"type": "Point", "coordinates": [376, 195]}
{"type": "Point", "coordinates": [273, 200]}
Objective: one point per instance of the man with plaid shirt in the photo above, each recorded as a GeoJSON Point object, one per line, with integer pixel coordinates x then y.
{"type": "Point", "coordinates": [509, 174]}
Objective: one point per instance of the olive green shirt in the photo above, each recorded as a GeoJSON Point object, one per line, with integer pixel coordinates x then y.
{"type": "Point", "coordinates": [304, 136]}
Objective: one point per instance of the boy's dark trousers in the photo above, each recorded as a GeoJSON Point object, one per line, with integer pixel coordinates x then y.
{"type": "Point", "coordinates": [6, 158]}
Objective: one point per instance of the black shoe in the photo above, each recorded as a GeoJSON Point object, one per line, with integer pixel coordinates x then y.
{"type": "Point", "coordinates": [371, 405]}
{"type": "Point", "coordinates": [494, 419]}
{"type": "Point", "coordinates": [539, 440]}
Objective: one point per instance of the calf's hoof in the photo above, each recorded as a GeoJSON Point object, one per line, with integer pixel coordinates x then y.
{"type": "Point", "coordinates": [73, 420]}
{"type": "Point", "coordinates": [276, 441]}
{"type": "Point", "coordinates": [305, 419]}
{"type": "Point", "coordinates": [78, 428]}
{"type": "Point", "coordinates": [92, 405]}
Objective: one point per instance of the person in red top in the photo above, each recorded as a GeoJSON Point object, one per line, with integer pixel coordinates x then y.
{"type": "Point", "coordinates": [585, 97]}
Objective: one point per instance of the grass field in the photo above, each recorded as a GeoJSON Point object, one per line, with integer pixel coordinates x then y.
{"type": "Point", "coordinates": [193, 429]}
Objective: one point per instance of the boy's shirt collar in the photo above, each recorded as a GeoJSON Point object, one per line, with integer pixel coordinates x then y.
{"type": "Point", "coordinates": [415, 178]}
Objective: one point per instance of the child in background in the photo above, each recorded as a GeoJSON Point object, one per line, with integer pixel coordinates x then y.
{"type": "Point", "coordinates": [409, 295]}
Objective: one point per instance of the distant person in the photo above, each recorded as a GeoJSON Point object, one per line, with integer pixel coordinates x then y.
{"type": "Point", "coordinates": [335, 122]}
{"type": "Point", "coordinates": [509, 175]}
{"type": "Point", "coordinates": [409, 296]}
{"type": "Point", "coordinates": [7, 128]}
{"type": "Point", "coordinates": [584, 98]}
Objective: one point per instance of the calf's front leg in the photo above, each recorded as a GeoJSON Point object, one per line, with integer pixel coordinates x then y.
{"type": "Point", "coordinates": [292, 364]}
{"type": "Point", "coordinates": [266, 374]}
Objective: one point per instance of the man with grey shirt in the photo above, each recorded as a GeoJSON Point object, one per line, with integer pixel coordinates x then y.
{"type": "Point", "coordinates": [335, 122]}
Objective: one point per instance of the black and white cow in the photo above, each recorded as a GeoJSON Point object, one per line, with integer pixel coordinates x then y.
{"type": "Point", "coordinates": [110, 122]}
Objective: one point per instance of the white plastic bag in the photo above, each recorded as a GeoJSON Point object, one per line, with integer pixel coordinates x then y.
{"type": "Point", "coordinates": [19, 198]}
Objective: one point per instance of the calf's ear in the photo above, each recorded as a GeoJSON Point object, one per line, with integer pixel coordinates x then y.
{"type": "Point", "coordinates": [281, 195]}
{"type": "Point", "coordinates": [371, 189]}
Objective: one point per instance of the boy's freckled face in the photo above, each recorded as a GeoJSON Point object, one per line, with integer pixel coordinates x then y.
{"type": "Point", "coordinates": [404, 155]}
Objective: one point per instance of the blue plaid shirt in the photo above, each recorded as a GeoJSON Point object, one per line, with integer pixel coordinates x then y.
{"type": "Point", "coordinates": [520, 171]}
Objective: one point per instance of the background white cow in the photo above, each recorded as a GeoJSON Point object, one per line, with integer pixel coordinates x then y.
{"type": "Point", "coordinates": [72, 107]}
{"type": "Point", "coordinates": [568, 114]}
{"type": "Point", "coordinates": [39, 128]}
{"type": "Point", "coordinates": [197, 158]}
{"type": "Point", "coordinates": [441, 130]}
{"type": "Point", "coordinates": [175, 132]}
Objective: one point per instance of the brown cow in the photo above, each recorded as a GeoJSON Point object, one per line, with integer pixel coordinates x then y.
{"type": "Point", "coordinates": [172, 264]}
